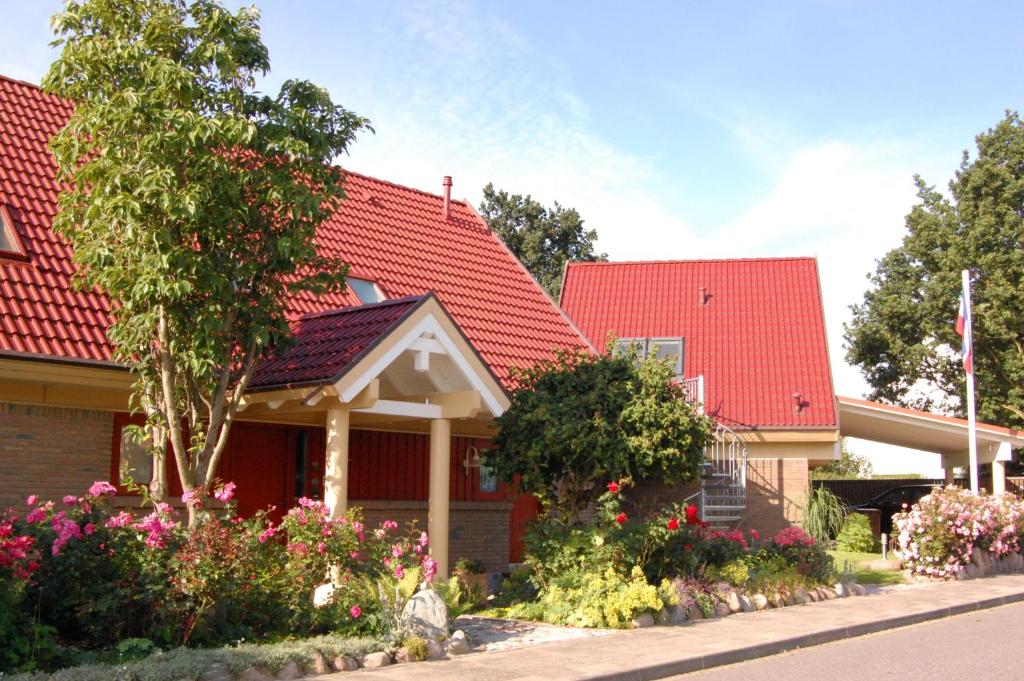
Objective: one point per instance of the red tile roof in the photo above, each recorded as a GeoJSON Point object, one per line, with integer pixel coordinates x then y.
{"type": "Point", "coordinates": [758, 340]}
{"type": "Point", "coordinates": [393, 235]}
{"type": "Point", "coordinates": [328, 342]}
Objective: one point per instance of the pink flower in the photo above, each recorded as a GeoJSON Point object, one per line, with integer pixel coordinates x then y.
{"type": "Point", "coordinates": [32, 500]}
{"type": "Point", "coordinates": [36, 515]}
{"type": "Point", "coordinates": [396, 551]}
{"type": "Point", "coordinates": [267, 534]}
{"type": "Point", "coordinates": [70, 500]}
{"type": "Point", "coordinates": [101, 488]}
{"type": "Point", "coordinates": [122, 519]}
{"type": "Point", "coordinates": [192, 497]}
{"type": "Point", "coordinates": [89, 528]}
{"type": "Point", "coordinates": [225, 493]}
{"type": "Point", "coordinates": [399, 572]}
{"type": "Point", "coordinates": [389, 525]}
{"type": "Point", "coordinates": [755, 535]}
{"type": "Point", "coordinates": [429, 568]}
{"type": "Point", "coordinates": [298, 548]}
{"type": "Point", "coordinates": [621, 518]}
{"type": "Point", "coordinates": [423, 539]}
{"type": "Point", "coordinates": [355, 611]}
{"type": "Point", "coordinates": [322, 548]}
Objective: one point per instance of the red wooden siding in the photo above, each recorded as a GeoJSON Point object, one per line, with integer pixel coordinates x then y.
{"type": "Point", "coordinates": [396, 466]}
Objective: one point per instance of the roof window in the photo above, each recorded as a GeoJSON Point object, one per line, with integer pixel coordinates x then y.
{"type": "Point", "coordinates": [671, 349]}
{"type": "Point", "coordinates": [366, 291]}
{"type": "Point", "coordinates": [10, 244]}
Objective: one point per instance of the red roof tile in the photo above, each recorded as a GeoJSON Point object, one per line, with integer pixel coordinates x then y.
{"type": "Point", "coordinates": [758, 341]}
{"type": "Point", "coordinates": [327, 342]}
{"type": "Point", "coordinates": [393, 235]}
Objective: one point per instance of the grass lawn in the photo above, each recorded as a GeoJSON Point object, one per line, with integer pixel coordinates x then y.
{"type": "Point", "coordinates": [861, 574]}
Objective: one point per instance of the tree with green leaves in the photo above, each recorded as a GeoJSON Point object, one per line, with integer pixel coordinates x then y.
{"type": "Point", "coordinates": [584, 420]}
{"type": "Point", "coordinates": [191, 200]}
{"type": "Point", "coordinates": [848, 466]}
{"type": "Point", "coordinates": [903, 334]}
{"type": "Point", "coordinates": [544, 239]}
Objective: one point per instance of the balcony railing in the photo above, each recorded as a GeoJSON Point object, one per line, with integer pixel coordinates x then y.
{"type": "Point", "coordinates": [694, 388]}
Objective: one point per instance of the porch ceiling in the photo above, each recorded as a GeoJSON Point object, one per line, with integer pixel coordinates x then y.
{"type": "Point", "coordinates": [917, 429]}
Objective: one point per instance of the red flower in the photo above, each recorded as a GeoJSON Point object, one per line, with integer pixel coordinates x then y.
{"type": "Point", "coordinates": [692, 515]}
{"type": "Point", "coordinates": [755, 535]}
{"type": "Point", "coordinates": [673, 524]}
{"type": "Point", "coordinates": [621, 518]}
{"type": "Point", "coordinates": [613, 487]}
{"type": "Point", "coordinates": [687, 547]}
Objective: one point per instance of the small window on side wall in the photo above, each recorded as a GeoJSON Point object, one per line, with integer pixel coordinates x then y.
{"type": "Point", "coordinates": [488, 480]}
{"type": "Point", "coordinates": [136, 461]}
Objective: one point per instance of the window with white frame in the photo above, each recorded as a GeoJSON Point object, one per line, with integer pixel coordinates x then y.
{"type": "Point", "coordinates": [366, 291]}
{"type": "Point", "coordinates": [136, 461]}
{"type": "Point", "coordinates": [662, 348]}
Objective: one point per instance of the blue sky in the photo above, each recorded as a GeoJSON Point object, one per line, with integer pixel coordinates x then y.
{"type": "Point", "coordinates": [677, 129]}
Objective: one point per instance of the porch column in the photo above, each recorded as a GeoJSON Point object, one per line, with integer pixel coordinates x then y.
{"type": "Point", "coordinates": [440, 476]}
{"type": "Point", "coordinates": [336, 473]}
{"type": "Point", "coordinates": [998, 477]}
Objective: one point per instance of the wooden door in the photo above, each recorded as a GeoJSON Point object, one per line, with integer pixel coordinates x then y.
{"type": "Point", "coordinates": [259, 465]}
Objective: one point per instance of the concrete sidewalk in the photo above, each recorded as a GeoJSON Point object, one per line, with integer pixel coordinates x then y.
{"type": "Point", "coordinates": [658, 652]}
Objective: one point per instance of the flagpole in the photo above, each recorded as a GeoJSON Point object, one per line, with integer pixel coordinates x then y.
{"type": "Point", "coordinates": [972, 446]}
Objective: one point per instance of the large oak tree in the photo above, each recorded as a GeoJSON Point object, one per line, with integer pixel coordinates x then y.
{"type": "Point", "coordinates": [192, 200]}
{"type": "Point", "coordinates": [903, 335]}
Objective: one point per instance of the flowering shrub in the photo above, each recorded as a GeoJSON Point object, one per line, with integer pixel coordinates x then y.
{"type": "Point", "coordinates": [595, 599]}
{"type": "Point", "coordinates": [801, 551]}
{"type": "Point", "coordinates": [99, 575]}
{"type": "Point", "coordinates": [940, 534]}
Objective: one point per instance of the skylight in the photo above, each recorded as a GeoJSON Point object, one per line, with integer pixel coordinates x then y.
{"type": "Point", "coordinates": [10, 245]}
{"type": "Point", "coordinates": [365, 290]}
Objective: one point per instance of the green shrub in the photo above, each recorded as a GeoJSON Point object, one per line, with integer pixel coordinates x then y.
{"type": "Point", "coordinates": [857, 536]}
{"type": "Point", "coordinates": [801, 551]}
{"type": "Point", "coordinates": [416, 647]}
{"type": "Point", "coordinates": [824, 514]}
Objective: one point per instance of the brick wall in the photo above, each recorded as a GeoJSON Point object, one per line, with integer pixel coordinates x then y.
{"type": "Point", "coordinates": [51, 451]}
{"type": "Point", "coordinates": [775, 493]}
{"type": "Point", "coordinates": [476, 529]}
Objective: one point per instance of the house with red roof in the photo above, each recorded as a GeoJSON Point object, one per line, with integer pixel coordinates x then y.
{"type": "Point", "coordinates": [384, 402]}
{"type": "Point", "coordinates": [748, 336]}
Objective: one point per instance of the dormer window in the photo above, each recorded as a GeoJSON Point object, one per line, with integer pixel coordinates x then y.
{"type": "Point", "coordinates": [366, 291]}
{"type": "Point", "coordinates": [662, 348]}
{"type": "Point", "coordinates": [10, 244]}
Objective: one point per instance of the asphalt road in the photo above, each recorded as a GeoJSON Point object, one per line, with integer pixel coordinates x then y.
{"type": "Point", "coordinates": [986, 645]}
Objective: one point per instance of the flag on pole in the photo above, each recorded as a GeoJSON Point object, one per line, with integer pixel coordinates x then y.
{"type": "Point", "coordinates": [963, 327]}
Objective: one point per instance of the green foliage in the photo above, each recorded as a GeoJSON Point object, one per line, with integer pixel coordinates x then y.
{"type": "Point", "coordinates": [594, 599]}
{"type": "Point", "coordinates": [192, 200]}
{"type": "Point", "coordinates": [824, 514]}
{"type": "Point", "coordinates": [849, 466]}
{"type": "Point", "coordinates": [857, 536]}
{"type": "Point", "coordinates": [544, 239]}
{"type": "Point", "coordinates": [416, 647]}
{"type": "Point", "coordinates": [903, 333]}
{"type": "Point", "coordinates": [459, 597]}
{"type": "Point", "coordinates": [800, 550]}
{"type": "Point", "coordinates": [582, 420]}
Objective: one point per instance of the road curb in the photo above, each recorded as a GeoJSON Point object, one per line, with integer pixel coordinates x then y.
{"type": "Point", "coordinates": [692, 663]}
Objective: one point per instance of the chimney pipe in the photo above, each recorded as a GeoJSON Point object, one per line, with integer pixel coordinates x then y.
{"type": "Point", "coordinates": [447, 197]}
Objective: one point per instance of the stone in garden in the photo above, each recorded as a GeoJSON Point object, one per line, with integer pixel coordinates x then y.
{"type": "Point", "coordinates": [858, 590]}
{"type": "Point", "coordinates": [425, 615]}
{"type": "Point", "coordinates": [733, 601]}
{"type": "Point", "coordinates": [829, 593]}
{"type": "Point", "coordinates": [345, 663]}
{"type": "Point", "coordinates": [760, 601]}
{"type": "Point", "coordinates": [812, 596]}
{"type": "Point", "coordinates": [323, 594]}
{"type": "Point", "coordinates": [960, 575]}
{"type": "Point", "coordinates": [290, 671]}
{"type": "Point", "coordinates": [376, 660]}
{"type": "Point", "coordinates": [435, 651]}
{"type": "Point", "coordinates": [218, 672]}
{"type": "Point", "coordinates": [676, 614]}
{"type": "Point", "coordinates": [841, 590]}
{"type": "Point", "coordinates": [402, 655]}
{"type": "Point", "coordinates": [777, 600]}
{"type": "Point", "coordinates": [972, 571]}
{"type": "Point", "coordinates": [458, 644]}
{"type": "Point", "coordinates": [801, 597]}
{"type": "Point", "coordinates": [661, 617]}
{"type": "Point", "coordinates": [722, 610]}
{"type": "Point", "coordinates": [256, 674]}
{"type": "Point", "coordinates": [317, 664]}
{"type": "Point", "coordinates": [790, 599]}
{"type": "Point", "coordinates": [747, 604]}
{"type": "Point", "coordinates": [694, 613]}
{"type": "Point", "coordinates": [643, 621]}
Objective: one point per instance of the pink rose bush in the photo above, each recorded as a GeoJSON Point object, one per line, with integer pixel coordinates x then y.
{"type": "Point", "coordinates": [939, 535]}
{"type": "Point", "coordinates": [99, 574]}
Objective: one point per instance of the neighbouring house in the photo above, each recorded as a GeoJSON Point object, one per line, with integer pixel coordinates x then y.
{"type": "Point", "coordinates": [384, 402]}
{"type": "Point", "coordinates": [748, 338]}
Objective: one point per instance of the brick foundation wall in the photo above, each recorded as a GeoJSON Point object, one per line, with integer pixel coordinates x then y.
{"type": "Point", "coordinates": [51, 451]}
{"type": "Point", "coordinates": [477, 529]}
{"type": "Point", "coordinates": [775, 493]}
